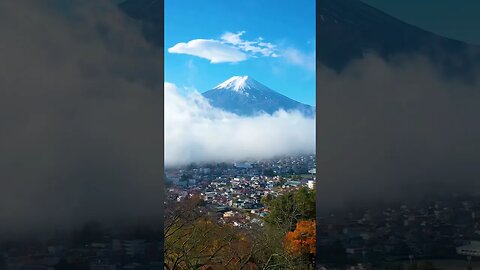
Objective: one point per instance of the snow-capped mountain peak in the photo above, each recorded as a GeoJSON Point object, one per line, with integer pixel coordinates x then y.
{"type": "Point", "coordinates": [239, 84]}
{"type": "Point", "coordinates": [243, 95]}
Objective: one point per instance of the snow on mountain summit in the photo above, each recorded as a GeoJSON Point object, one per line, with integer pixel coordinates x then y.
{"type": "Point", "coordinates": [239, 84]}
{"type": "Point", "coordinates": [243, 95]}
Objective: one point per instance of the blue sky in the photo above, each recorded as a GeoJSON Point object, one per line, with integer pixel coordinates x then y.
{"type": "Point", "coordinates": [273, 41]}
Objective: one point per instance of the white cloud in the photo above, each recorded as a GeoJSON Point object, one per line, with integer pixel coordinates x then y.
{"type": "Point", "coordinates": [230, 48]}
{"type": "Point", "coordinates": [213, 50]}
{"type": "Point", "coordinates": [197, 132]}
{"type": "Point", "coordinates": [299, 58]}
{"type": "Point", "coordinates": [233, 38]}
{"type": "Point", "coordinates": [253, 47]}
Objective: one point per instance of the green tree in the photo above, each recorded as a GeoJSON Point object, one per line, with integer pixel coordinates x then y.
{"type": "Point", "coordinates": [269, 173]}
{"type": "Point", "coordinates": [285, 210]}
{"type": "Point", "coordinates": [296, 177]}
{"type": "Point", "coordinates": [267, 199]}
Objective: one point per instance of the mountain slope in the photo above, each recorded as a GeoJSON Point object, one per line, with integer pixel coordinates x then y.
{"type": "Point", "coordinates": [150, 14]}
{"type": "Point", "coordinates": [348, 29]}
{"type": "Point", "coordinates": [245, 96]}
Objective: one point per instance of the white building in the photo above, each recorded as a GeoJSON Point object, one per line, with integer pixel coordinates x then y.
{"type": "Point", "coordinates": [228, 214]}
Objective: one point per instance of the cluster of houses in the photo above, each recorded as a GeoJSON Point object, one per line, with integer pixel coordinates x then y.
{"type": "Point", "coordinates": [447, 228]}
{"type": "Point", "coordinates": [235, 191]}
{"type": "Point", "coordinates": [232, 192]}
{"type": "Point", "coordinates": [131, 254]}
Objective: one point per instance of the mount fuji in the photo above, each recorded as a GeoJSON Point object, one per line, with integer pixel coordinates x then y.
{"type": "Point", "coordinates": [349, 29]}
{"type": "Point", "coordinates": [245, 96]}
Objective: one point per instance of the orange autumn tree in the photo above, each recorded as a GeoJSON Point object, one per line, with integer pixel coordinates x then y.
{"type": "Point", "coordinates": [302, 241]}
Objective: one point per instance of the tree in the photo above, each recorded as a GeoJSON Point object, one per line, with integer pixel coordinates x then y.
{"type": "Point", "coordinates": [194, 240]}
{"type": "Point", "coordinates": [302, 241]}
{"type": "Point", "coordinates": [296, 177]}
{"type": "Point", "coordinates": [306, 197]}
{"type": "Point", "coordinates": [285, 210]}
{"type": "Point", "coordinates": [185, 177]}
{"type": "Point", "coordinates": [269, 173]}
{"type": "Point", "coordinates": [267, 199]}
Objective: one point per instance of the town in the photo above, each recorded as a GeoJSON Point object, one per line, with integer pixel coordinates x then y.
{"type": "Point", "coordinates": [92, 247]}
{"type": "Point", "coordinates": [234, 191]}
{"type": "Point", "coordinates": [442, 232]}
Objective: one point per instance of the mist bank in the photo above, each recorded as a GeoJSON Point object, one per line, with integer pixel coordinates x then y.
{"type": "Point", "coordinates": [81, 109]}
{"type": "Point", "coordinates": [395, 131]}
{"type": "Point", "coordinates": [196, 132]}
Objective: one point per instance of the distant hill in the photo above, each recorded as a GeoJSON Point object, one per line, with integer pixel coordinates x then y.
{"type": "Point", "coordinates": [150, 14]}
{"type": "Point", "coordinates": [347, 29]}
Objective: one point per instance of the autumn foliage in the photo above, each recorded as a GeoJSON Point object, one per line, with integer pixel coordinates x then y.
{"type": "Point", "coordinates": [302, 241]}
{"type": "Point", "coordinates": [193, 240]}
